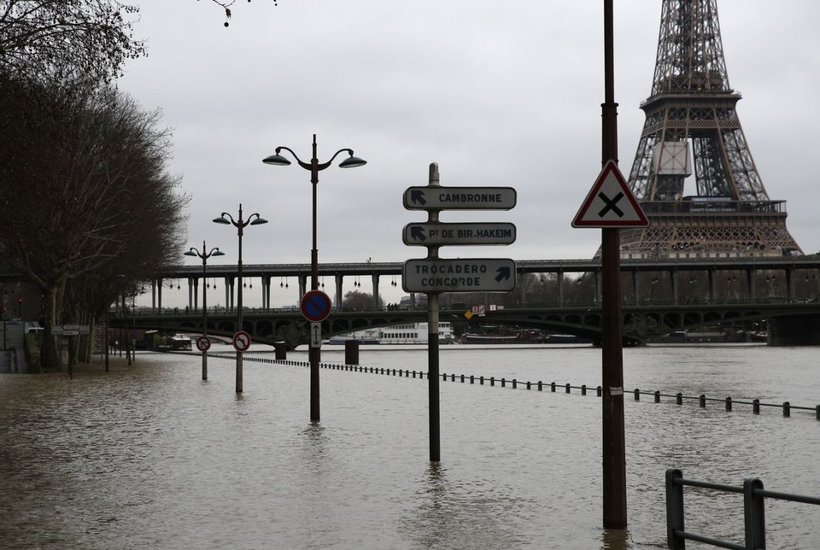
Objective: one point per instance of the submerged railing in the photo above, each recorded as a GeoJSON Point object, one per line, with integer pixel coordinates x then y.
{"type": "Point", "coordinates": [754, 519]}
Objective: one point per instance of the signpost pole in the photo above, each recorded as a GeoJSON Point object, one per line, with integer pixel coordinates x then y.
{"type": "Point", "coordinates": [613, 447]}
{"type": "Point", "coordinates": [432, 342]}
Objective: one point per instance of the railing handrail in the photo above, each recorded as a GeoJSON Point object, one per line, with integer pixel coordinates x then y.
{"type": "Point", "coordinates": [753, 511]}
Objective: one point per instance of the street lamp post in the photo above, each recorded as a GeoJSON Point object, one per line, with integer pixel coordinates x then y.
{"type": "Point", "coordinates": [240, 224]}
{"type": "Point", "coordinates": [204, 254]}
{"type": "Point", "coordinates": [315, 167]}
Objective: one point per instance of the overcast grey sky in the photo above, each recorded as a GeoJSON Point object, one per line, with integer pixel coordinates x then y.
{"type": "Point", "coordinates": [497, 93]}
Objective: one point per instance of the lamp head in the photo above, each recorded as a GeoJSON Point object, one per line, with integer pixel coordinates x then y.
{"type": "Point", "coordinates": [222, 221]}
{"type": "Point", "coordinates": [352, 162]}
{"type": "Point", "coordinates": [217, 252]}
{"type": "Point", "coordinates": [276, 160]}
{"type": "Point", "coordinates": [189, 253]}
{"type": "Point", "coordinates": [258, 220]}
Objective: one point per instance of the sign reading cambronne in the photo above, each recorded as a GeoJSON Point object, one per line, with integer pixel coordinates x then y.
{"type": "Point", "coordinates": [459, 275]}
{"type": "Point", "coordinates": [459, 198]}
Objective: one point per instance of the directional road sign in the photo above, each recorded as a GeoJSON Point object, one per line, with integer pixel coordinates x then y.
{"type": "Point", "coordinates": [315, 305]}
{"type": "Point", "coordinates": [610, 203]}
{"type": "Point", "coordinates": [459, 198]}
{"type": "Point", "coordinates": [459, 275]}
{"type": "Point", "coordinates": [438, 234]}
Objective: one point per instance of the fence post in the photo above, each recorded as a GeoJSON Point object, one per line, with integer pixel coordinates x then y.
{"type": "Point", "coordinates": [637, 394]}
{"type": "Point", "coordinates": [472, 379]}
{"type": "Point", "coordinates": [552, 386]}
{"type": "Point", "coordinates": [567, 388]}
{"type": "Point", "coordinates": [679, 398]}
{"type": "Point", "coordinates": [818, 406]}
{"type": "Point", "coordinates": [728, 403]}
{"type": "Point", "coordinates": [657, 396]}
{"type": "Point", "coordinates": [756, 406]}
{"type": "Point", "coordinates": [753, 515]}
{"type": "Point", "coordinates": [598, 391]}
{"type": "Point", "coordinates": [674, 510]}
{"type": "Point", "coordinates": [787, 408]}
{"type": "Point", "coordinates": [702, 401]}
{"type": "Point", "coordinates": [514, 383]}
{"type": "Point", "coordinates": [583, 389]}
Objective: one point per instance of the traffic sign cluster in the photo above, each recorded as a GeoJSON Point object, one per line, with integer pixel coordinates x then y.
{"type": "Point", "coordinates": [434, 274]}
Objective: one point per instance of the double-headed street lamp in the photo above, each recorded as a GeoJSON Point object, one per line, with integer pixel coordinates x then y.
{"type": "Point", "coordinates": [240, 224]}
{"type": "Point", "coordinates": [204, 254]}
{"type": "Point", "coordinates": [315, 167]}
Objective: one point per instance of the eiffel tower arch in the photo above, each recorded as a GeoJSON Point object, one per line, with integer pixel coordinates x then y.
{"type": "Point", "coordinates": [692, 132]}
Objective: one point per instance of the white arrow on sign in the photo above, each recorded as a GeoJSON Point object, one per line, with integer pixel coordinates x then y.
{"type": "Point", "coordinates": [459, 275]}
{"type": "Point", "coordinates": [439, 234]}
{"type": "Point", "coordinates": [316, 334]}
{"type": "Point", "coordinates": [459, 198]}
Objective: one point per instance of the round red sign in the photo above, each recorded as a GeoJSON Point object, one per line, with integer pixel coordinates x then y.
{"type": "Point", "coordinates": [315, 305]}
{"type": "Point", "coordinates": [241, 341]}
{"type": "Point", "coordinates": [203, 343]}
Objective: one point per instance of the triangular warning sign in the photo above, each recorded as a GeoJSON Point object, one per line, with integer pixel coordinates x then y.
{"type": "Point", "coordinates": [610, 203]}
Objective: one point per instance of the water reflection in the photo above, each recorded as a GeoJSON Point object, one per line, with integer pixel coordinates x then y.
{"type": "Point", "coordinates": [151, 457]}
{"type": "Point", "coordinates": [466, 514]}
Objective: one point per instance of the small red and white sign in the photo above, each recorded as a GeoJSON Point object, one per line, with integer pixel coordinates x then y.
{"type": "Point", "coordinates": [203, 343]}
{"type": "Point", "coordinates": [241, 341]}
{"type": "Point", "coordinates": [610, 203]}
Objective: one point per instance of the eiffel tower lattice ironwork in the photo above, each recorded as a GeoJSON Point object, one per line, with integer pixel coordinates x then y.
{"type": "Point", "coordinates": [690, 116]}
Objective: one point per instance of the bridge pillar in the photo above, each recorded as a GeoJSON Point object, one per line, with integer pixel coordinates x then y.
{"type": "Point", "coordinates": [750, 284]}
{"type": "Point", "coordinates": [154, 296]}
{"type": "Point", "coordinates": [794, 330]}
{"type": "Point", "coordinates": [673, 281]}
{"type": "Point", "coordinates": [559, 277]}
{"type": "Point", "coordinates": [193, 292]}
{"type": "Point", "coordinates": [789, 284]}
{"type": "Point", "coordinates": [229, 284]}
{"type": "Point", "coordinates": [375, 279]}
{"type": "Point", "coordinates": [302, 285]}
{"type": "Point", "coordinates": [712, 287]}
{"type": "Point", "coordinates": [339, 290]}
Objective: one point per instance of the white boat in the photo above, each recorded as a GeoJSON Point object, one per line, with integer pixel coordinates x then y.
{"type": "Point", "coordinates": [409, 333]}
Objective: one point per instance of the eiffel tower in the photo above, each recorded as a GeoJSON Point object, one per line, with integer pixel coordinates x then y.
{"type": "Point", "coordinates": [690, 116]}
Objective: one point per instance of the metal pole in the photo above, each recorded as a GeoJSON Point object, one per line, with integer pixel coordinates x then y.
{"type": "Point", "coordinates": [433, 343]}
{"type": "Point", "coordinates": [204, 310]}
{"type": "Point", "coordinates": [614, 455]}
{"type": "Point", "coordinates": [315, 353]}
{"type": "Point", "coordinates": [240, 227]}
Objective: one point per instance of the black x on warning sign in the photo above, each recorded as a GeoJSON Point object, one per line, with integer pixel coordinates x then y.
{"type": "Point", "coordinates": [610, 203]}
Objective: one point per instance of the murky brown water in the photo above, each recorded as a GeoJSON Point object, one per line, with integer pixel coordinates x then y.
{"type": "Point", "coordinates": [151, 456]}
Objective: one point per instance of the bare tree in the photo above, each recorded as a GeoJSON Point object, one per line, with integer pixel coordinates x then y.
{"type": "Point", "coordinates": [86, 204]}
{"type": "Point", "coordinates": [67, 39]}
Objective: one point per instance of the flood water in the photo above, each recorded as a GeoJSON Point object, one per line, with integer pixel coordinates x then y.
{"type": "Point", "coordinates": [150, 456]}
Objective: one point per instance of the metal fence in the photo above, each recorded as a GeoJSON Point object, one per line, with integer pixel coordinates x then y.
{"type": "Point", "coordinates": [754, 519]}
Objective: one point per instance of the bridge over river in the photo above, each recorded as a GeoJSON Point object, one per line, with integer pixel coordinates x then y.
{"type": "Point", "coordinates": [659, 296]}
